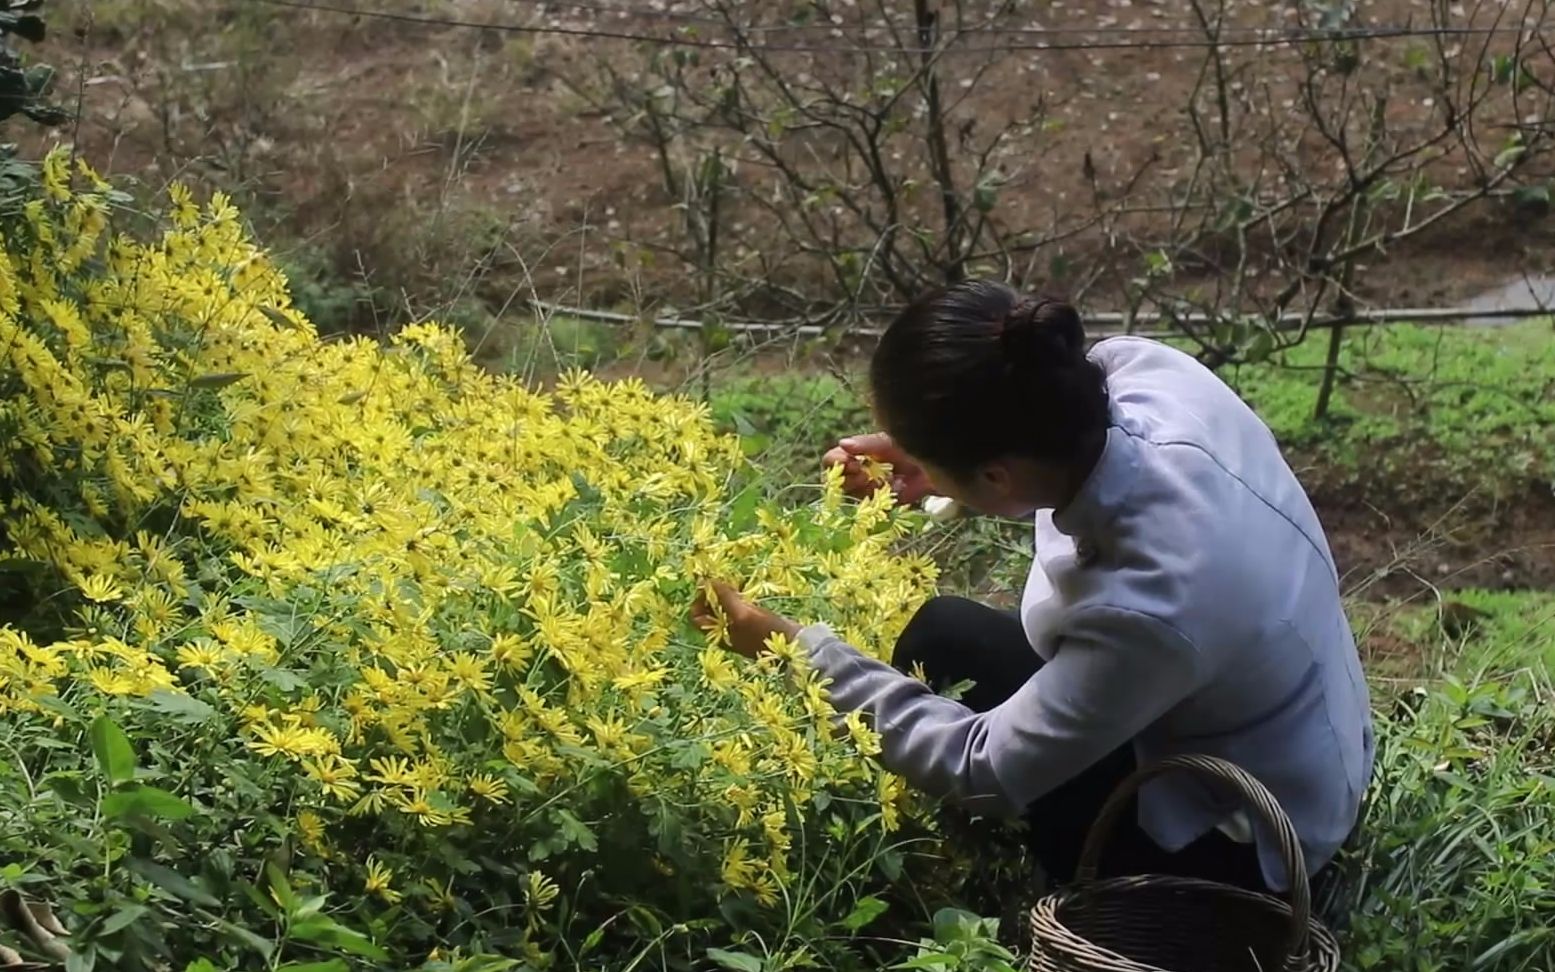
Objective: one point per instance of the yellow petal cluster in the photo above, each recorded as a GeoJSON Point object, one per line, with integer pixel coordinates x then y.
{"type": "Point", "coordinates": [419, 592]}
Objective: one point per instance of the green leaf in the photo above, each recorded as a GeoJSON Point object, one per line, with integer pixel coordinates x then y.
{"type": "Point", "coordinates": [1259, 349]}
{"type": "Point", "coordinates": [261, 945]}
{"type": "Point", "coordinates": [741, 422]}
{"type": "Point", "coordinates": [145, 801]}
{"type": "Point", "coordinates": [576, 831]}
{"type": "Point", "coordinates": [742, 511]}
{"type": "Point", "coordinates": [122, 919]}
{"type": "Point", "coordinates": [737, 961]}
{"type": "Point", "coordinates": [333, 965]}
{"type": "Point", "coordinates": [890, 864]}
{"type": "Point", "coordinates": [1533, 197]}
{"type": "Point", "coordinates": [933, 960]}
{"type": "Point", "coordinates": [281, 888]}
{"type": "Point", "coordinates": [283, 679]}
{"type": "Point", "coordinates": [82, 961]}
{"type": "Point", "coordinates": [68, 788]}
{"type": "Point", "coordinates": [115, 755]}
{"type": "Point", "coordinates": [715, 337]}
{"type": "Point", "coordinates": [324, 930]}
{"type": "Point", "coordinates": [954, 925]}
{"type": "Point", "coordinates": [277, 318]}
{"type": "Point", "coordinates": [866, 911]}
{"type": "Point", "coordinates": [201, 965]}
{"type": "Point", "coordinates": [1509, 156]}
{"type": "Point", "coordinates": [591, 941]}
{"type": "Point", "coordinates": [262, 901]}
{"type": "Point", "coordinates": [183, 707]}
{"type": "Point", "coordinates": [173, 883]}
{"type": "Point", "coordinates": [219, 379]}
{"type": "Point", "coordinates": [29, 27]}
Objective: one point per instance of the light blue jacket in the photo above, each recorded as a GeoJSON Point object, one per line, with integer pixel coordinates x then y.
{"type": "Point", "coordinates": [1186, 599]}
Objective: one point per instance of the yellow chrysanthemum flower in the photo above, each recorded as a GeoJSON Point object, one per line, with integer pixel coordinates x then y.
{"type": "Point", "coordinates": [380, 881]}
{"type": "Point", "coordinates": [101, 588]}
{"type": "Point", "coordinates": [540, 892]}
{"type": "Point", "coordinates": [489, 788]}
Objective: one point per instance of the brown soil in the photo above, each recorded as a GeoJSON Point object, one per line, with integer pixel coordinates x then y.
{"type": "Point", "coordinates": [1390, 550]}
{"type": "Point", "coordinates": [389, 144]}
{"type": "Point", "coordinates": [1386, 654]}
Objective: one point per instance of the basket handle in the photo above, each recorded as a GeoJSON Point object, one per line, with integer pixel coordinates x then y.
{"type": "Point", "coordinates": [1255, 795]}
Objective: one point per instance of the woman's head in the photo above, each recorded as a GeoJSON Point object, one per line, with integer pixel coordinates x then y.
{"type": "Point", "coordinates": [993, 394]}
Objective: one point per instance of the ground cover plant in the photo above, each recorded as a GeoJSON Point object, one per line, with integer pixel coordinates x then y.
{"type": "Point", "coordinates": [356, 654]}
{"type": "Point", "coordinates": [1457, 867]}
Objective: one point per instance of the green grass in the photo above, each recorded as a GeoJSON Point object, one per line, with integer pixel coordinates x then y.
{"type": "Point", "coordinates": [1493, 631]}
{"type": "Point", "coordinates": [1473, 408]}
{"type": "Point", "coordinates": [788, 420]}
{"type": "Point", "coordinates": [1456, 872]}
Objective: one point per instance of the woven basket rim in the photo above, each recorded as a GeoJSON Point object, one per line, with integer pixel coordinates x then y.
{"type": "Point", "coordinates": [1047, 929]}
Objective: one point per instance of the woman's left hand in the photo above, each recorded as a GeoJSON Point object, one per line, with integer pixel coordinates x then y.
{"type": "Point", "coordinates": [749, 626]}
{"type": "Point", "coordinates": [36, 924]}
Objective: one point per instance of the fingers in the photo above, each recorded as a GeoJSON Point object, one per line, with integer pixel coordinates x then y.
{"type": "Point", "coordinates": [702, 613]}
{"type": "Point", "coordinates": [44, 916]}
{"type": "Point", "coordinates": [837, 456]}
{"type": "Point", "coordinates": [852, 469]}
{"type": "Point", "coordinates": [25, 920]}
{"type": "Point", "coordinates": [730, 604]}
{"type": "Point", "coordinates": [876, 444]}
{"type": "Point", "coordinates": [729, 598]}
{"type": "Point", "coordinates": [855, 481]}
{"type": "Point", "coordinates": [909, 482]}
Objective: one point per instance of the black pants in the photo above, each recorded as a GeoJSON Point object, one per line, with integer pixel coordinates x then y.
{"type": "Point", "coordinates": [956, 640]}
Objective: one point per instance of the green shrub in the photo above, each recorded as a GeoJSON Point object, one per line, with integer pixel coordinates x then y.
{"type": "Point", "coordinates": [355, 653]}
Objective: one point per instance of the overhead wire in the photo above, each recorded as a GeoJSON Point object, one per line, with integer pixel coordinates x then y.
{"type": "Point", "coordinates": [948, 46]}
{"type": "Point", "coordinates": [676, 16]}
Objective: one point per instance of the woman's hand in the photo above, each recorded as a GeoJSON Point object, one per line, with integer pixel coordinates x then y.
{"type": "Point", "coordinates": [36, 924]}
{"type": "Point", "coordinates": [908, 481]}
{"type": "Point", "coordinates": [749, 627]}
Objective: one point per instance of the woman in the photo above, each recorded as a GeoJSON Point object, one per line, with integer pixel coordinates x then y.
{"type": "Point", "coordinates": [1183, 598]}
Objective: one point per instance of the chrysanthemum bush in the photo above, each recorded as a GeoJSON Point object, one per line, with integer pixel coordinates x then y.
{"type": "Point", "coordinates": [338, 648]}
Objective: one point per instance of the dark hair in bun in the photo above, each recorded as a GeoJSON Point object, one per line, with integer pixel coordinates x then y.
{"type": "Point", "coordinates": [975, 372]}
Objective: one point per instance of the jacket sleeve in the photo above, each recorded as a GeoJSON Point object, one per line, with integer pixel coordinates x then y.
{"type": "Point", "coordinates": [1114, 673]}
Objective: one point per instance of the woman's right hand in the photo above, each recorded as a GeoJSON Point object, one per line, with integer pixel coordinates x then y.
{"type": "Point", "coordinates": [908, 480]}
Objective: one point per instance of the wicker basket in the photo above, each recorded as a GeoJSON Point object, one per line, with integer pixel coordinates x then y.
{"type": "Point", "coordinates": [1171, 924]}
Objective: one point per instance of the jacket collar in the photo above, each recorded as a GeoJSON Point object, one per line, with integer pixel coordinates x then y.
{"type": "Point", "coordinates": [1088, 514]}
